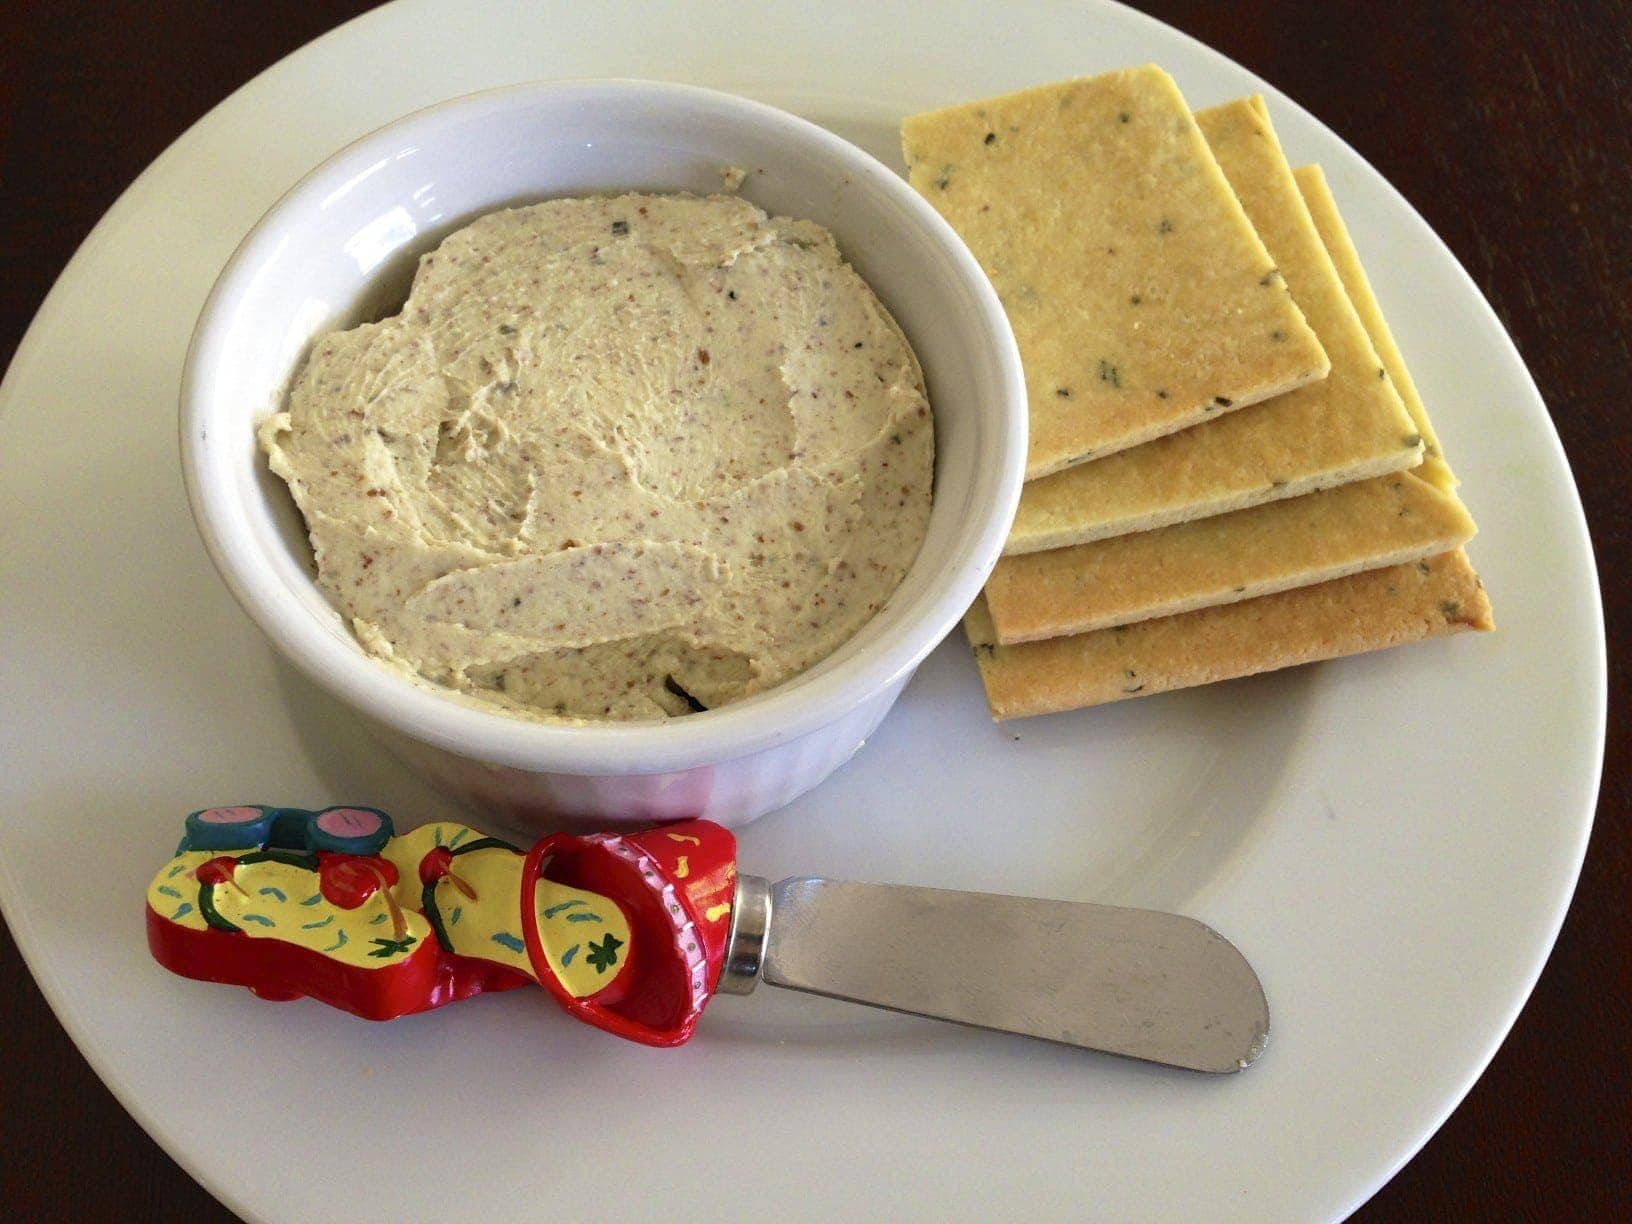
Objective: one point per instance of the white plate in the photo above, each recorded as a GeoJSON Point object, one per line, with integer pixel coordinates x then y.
{"type": "Point", "coordinates": [1392, 840]}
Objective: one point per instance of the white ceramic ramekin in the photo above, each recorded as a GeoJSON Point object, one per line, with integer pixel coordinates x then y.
{"type": "Point", "coordinates": [341, 246]}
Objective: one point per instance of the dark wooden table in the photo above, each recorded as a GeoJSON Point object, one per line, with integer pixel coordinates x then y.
{"type": "Point", "coordinates": [1509, 126]}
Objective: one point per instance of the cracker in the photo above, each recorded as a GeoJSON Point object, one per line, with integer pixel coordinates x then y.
{"type": "Point", "coordinates": [1369, 611]}
{"type": "Point", "coordinates": [1130, 273]}
{"type": "Point", "coordinates": [1365, 525]}
{"type": "Point", "coordinates": [1369, 524]}
{"type": "Point", "coordinates": [1350, 426]}
{"type": "Point", "coordinates": [1335, 235]}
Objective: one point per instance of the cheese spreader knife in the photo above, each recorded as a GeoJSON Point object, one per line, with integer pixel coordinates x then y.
{"type": "Point", "coordinates": [635, 932]}
{"type": "Point", "coordinates": [1142, 983]}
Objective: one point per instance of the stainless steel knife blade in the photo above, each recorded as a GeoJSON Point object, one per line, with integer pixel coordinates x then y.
{"type": "Point", "coordinates": [1139, 983]}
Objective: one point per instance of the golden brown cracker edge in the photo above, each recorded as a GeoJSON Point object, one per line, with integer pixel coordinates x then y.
{"type": "Point", "coordinates": [1322, 204]}
{"type": "Point", "coordinates": [1369, 524]}
{"type": "Point", "coordinates": [1364, 612]}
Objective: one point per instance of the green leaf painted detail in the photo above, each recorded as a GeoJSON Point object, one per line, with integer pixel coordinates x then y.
{"type": "Point", "coordinates": [304, 859]}
{"type": "Point", "coordinates": [433, 915]}
{"type": "Point", "coordinates": [390, 947]}
{"type": "Point", "coordinates": [604, 955]}
{"type": "Point", "coordinates": [206, 907]}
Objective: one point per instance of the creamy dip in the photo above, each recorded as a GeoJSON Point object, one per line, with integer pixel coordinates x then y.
{"type": "Point", "coordinates": [616, 458]}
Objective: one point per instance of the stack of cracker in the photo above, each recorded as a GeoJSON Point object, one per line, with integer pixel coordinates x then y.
{"type": "Point", "coordinates": [1230, 470]}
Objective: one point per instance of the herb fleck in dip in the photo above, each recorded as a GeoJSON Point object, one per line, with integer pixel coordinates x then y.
{"type": "Point", "coordinates": [616, 458]}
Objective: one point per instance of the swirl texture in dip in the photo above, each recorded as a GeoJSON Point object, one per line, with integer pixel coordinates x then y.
{"type": "Point", "coordinates": [616, 458]}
